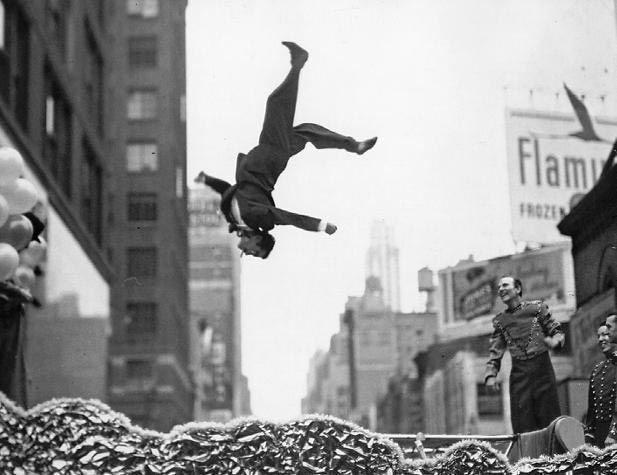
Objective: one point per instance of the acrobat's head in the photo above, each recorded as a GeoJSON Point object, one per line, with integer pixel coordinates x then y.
{"type": "Point", "coordinates": [256, 243]}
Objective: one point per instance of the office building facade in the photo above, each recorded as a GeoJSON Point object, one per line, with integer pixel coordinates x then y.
{"type": "Point", "coordinates": [53, 59]}
{"type": "Point", "coordinates": [150, 379]}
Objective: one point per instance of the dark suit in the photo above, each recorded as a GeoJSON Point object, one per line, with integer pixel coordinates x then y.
{"type": "Point", "coordinates": [258, 171]}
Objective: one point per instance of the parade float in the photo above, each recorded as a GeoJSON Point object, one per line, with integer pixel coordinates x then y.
{"type": "Point", "coordinates": [75, 436]}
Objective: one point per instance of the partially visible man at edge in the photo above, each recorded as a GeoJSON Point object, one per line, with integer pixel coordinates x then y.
{"type": "Point", "coordinates": [601, 396]}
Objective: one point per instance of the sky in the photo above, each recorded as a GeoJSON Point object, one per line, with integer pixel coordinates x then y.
{"type": "Point", "coordinates": [432, 80]}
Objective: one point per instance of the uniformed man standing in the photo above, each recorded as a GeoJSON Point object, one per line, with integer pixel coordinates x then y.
{"type": "Point", "coordinates": [528, 331]}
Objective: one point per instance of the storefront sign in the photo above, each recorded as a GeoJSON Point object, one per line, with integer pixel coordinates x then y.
{"type": "Point", "coordinates": [474, 286]}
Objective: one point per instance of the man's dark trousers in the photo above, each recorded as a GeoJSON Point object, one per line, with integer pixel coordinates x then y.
{"type": "Point", "coordinates": [534, 402]}
{"type": "Point", "coordinates": [280, 140]}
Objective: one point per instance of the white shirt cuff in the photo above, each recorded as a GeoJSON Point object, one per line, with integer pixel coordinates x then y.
{"type": "Point", "coordinates": [322, 226]}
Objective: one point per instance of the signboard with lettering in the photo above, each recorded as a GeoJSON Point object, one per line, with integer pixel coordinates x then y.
{"type": "Point", "coordinates": [204, 212]}
{"type": "Point", "coordinates": [549, 169]}
{"type": "Point", "coordinates": [541, 271]}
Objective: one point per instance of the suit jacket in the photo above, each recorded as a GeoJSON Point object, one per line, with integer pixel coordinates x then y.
{"type": "Point", "coordinates": [253, 192]}
{"type": "Point", "coordinates": [521, 332]}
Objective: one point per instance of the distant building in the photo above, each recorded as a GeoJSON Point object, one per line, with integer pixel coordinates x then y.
{"type": "Point", "coordinates": [372, 346]}
{"type": "Point", "coordinates": [216, 331]}
{"type": "Point", "coordinates": [150, 380]}
{"type": "Point", "coordinates": [314, 400]}
{"type": "Point", "coordinates": [52, 85]}
{"type": "Point", "coordinates": [382, 262]}
{"type": "Point", "coordinates": [328, 379]}
{"type": "Point", "coordinates": [592, 225]}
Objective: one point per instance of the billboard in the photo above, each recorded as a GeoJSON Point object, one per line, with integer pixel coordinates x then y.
{"type": "Point", "coordinates": [548, 168]}
{"type": "Point", "coordinates": [473, 286]}
{"type": "Point", "coordinates": [204, 209]}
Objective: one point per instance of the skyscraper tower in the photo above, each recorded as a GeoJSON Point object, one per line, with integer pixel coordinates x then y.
{"type": "Point", "coordinates": [216, 347]}
{"type": "Point", "coordinates": [149, 376]}
{"type": "Point", "coordinates": [382, 263]}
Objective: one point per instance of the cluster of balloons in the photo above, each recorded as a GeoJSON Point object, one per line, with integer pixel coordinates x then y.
{"type": "Point", "coordinates": [19, 254]}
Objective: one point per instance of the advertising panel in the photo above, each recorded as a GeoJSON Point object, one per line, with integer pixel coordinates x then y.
{"type": "Point", "coordinates": [204, 209]}
{"type": "Point", "coordinates": [549, 168]}
{"type": "Point", "coordinates": [474, 286]}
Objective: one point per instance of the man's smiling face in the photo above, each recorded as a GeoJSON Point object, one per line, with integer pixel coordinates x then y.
{"type": "Point", "coordinates": [507, 290]}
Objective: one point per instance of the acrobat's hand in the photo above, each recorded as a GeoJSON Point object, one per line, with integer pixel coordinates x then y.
{"type": "Point", "coordinates": [492, 384]}
{"type": "Point", "coordinates": [554, 341]}
{"type": "Point", "coordinates": [330, 228]}
{"type": "Point", "coordinates": [201, 178]}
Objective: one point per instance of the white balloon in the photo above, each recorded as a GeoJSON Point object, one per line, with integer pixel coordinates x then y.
{"type": "Point", "coordinates": [33, 254]}
{"type": "Point", "coordinates": [24, 277]}
{"type": "Point", "coordinates": [4, 210]}
{"type": "Point", "coordinates": [9, 260]}
{"type": "Point", "coordinates": [21, 196]}
{"type": "Point", "coordinates": [11, 165]}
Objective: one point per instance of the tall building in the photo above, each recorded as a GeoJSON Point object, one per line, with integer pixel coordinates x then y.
{"type": "Point", "coordinates": [382, 262]}
{"type": "Point", "coordinates": [216, 334]}
{"type": "Point", "coordinates": [53, 60]}
{"type": "Point", "coordinates": [149, 379]}
{"type": "Point", "coordinates": [373, 345]}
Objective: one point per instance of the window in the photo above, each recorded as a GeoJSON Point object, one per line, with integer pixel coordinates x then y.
{"type": "Point", "coordinates": [142, 52]}
{"type": "Point", "coordinates": [179, 182]}
{"type": "Point", "coordinates": [91, 193]}
{"type": "Point", "coordinates": [14, 60]}
{"type": "Point", "coordinates": [142, 157]}
{"type": "Point", "coordinates": [211, 273]}
{"type": "Point", "coordinates": [2, 25]}
{"type": "Point", "coordinates": [141, 262]}
{"type": "Point", "coordinates": [50, 112]}
{"type": "Point", "coordinates": [490, 402]}
{"type": "Point", "coordinates": [142, 207]}
{"type": "Point", "coordinates": [58, 138]}
{"type": "Point", "coordinates": [142, 104]}
{"type": "Point", "coordinates": [139, 370]}
{"type": "Point", "coordinates": [55, 19]}
{"type": "Point", "coordinates": [144, 8]}
{"type": "Point", "coordinates": [183, 108]}
{"type": "Point", "coordinates": [93, 82]}
{"type": "Point", "coordinates": [141, 320]}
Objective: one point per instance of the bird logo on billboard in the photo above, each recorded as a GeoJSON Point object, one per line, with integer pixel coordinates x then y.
{"type": "Point", "coordinates": [587, 132]}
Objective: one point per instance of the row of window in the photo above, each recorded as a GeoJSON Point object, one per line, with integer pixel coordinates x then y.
{"type": "Point", "coordinates": [143, 104]}
{"type": "Point", "coordinates": [81, 177]}
{"type": "Point", "coordinates": [143, 8]}
{"type": "Point", "coordinates": [141, 321]}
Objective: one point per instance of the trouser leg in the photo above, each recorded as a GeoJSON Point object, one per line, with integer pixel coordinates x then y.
{"type": "Point", "coordinates": [280, 110]}
{"type": "Point", "coordinates": [320, 137]}
{"type": "Point", "coordinates": [9, 353]}
{"type": "Point", "coordinates": [546, 399]}
{"type": "Point", "coordinates": [521, 401]}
